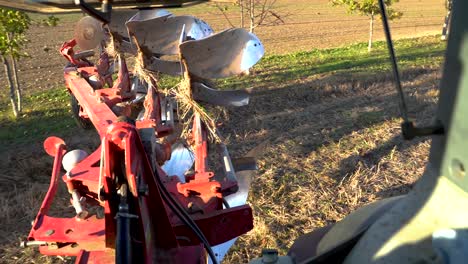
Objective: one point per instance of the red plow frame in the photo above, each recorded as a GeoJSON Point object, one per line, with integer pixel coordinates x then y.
{"type": "Point", "coordinates": [123, 176]}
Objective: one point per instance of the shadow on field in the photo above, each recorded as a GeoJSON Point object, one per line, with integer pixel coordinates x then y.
{"type": "Point", "coordinates": [325, 110]}
{"type": "Point", "coordinates": [334, 144]}
{"type": "Point", "coordinates": [35, 127]}
{"type": "Point", "coordinates": [300, 67]}
{"type": "Point", "coordinates": [345, 64]}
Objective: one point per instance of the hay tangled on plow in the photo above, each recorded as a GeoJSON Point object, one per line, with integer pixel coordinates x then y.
{"type": "Point", "coordinates": [187, 107]}
{"type": "Point", "coordinates": [111, 49]}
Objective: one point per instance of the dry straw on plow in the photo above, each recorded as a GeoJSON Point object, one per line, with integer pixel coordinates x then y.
{"type": "Point", "coordinates": [182, 92]}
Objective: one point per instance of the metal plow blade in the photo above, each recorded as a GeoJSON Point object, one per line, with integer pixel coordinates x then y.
{"type": "Point", "coordinates": [246, 169]}
{"type": "Point", "coordinates": [160, 35]}
{"type": "Point", "coordinates": [145, 15]}
{"type": "Point", "coordinates": [119, 18]}
{"type": "Point", "coordinates": [224, 54]}
{"type": "Point", "coordinates": [201, 92]}
{"type": "Point", "coordinates": [182, 159]}
{"type": "Point", "coordinates": [173, 68]}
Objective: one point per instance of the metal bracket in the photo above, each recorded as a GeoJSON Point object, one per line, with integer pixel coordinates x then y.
{"type": "Point", "coordinates": [409, 131]}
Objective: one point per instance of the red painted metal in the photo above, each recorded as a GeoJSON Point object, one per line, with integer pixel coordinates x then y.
{"type": "Point", "coordinates": [67, 51]}
{"type": "Point", "coordinates": [122, 83]}
{"type": "Point", "coordinates": [121, 157]}
{"type": "Point", "coordinates": [95, 257]}
{"type": "Point", "coordinates": [59, 152]}
{"type": "Point", "coordinates": [52, 144]}
{"type": "Point", "coordinates": [103, 68]}
{"type": "Point", "coordinates": [152, 116]}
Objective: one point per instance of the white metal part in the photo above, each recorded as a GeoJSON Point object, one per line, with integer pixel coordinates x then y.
{"type": "Point", "coordinates": [69, 161]}
{"type": "Point", "coordinates": [76, 202]}
{"type": "Point", "coordinates": [228, 167]}
{"type": "Point", "coordinates": [169, 116]}
{"type": "Point", "coordinates": [72, 158]}
{"type": "Point", "coordinates": [144, 15]}
{"type": "Point", "coordinates": [173, 68]}
{"type": "Point", "coordinates": [199, 30]}
{"type": "Point", "coordinates": [181, 161]}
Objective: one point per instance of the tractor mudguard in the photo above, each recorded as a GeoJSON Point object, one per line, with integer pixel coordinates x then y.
{"type": "Point", "coordinates": [332, 243]}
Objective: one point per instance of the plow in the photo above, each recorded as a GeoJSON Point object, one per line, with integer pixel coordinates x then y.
{"type": "Point", "coordinates": [155, 196]}
{"type": "Point", "coordinates": [161, 187]}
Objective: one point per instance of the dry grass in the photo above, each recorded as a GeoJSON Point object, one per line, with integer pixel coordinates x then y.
{"type": "Point", "coordinates": [333, 147]}
{"type": "Point", "coordinates": [24, 180]}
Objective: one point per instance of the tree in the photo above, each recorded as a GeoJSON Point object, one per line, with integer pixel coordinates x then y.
{"type": "Point", "coordinates": [259, 13]}
{"type": "Point", "coordinates": [13, 26]}
{"type": "Point", "coordinates": [368, 8]}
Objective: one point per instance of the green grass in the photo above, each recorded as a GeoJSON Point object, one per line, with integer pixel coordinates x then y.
{"type": "Point", "coordinates": [353, 60]}
{"type": "Point", "coordinates": [48, 112]}
{"type": "Point", "coordinates": [45, 113]}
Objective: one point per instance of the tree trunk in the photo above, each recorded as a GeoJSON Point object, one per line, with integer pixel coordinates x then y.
{"type": "Point", "coordinates": [241, 4]}
{"type": "Point", "coordinates": [252, 15]}
{"type": "Point", "coordinates": [18, 87]}
{"type": "Point", "coordinates": [10, 83]}
{"type": "Point", "coordinates": [371, 32]}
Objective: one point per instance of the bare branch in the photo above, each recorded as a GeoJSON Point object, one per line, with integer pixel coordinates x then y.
{"type": "Point", "coordinates": [222, 10]}
{"type": "Point", "coordinates": [276, 16]}
{"type": "Point", "coordinates": [258, 12]}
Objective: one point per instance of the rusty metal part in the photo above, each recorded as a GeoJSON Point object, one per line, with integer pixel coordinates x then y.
{"type": "Point", "coordinates": [69, 54]}
{"type": "Point", "coordinates": [105, 70]}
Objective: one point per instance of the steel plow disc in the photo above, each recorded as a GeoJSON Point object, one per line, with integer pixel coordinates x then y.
{"type": "Point", "coordinates": [88, 33]}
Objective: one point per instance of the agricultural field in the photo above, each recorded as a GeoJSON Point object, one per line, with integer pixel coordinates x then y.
{"type": "Point", "coordinates": [308, 25]}
{"type": "Point", "coordinates": [323, 119]}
